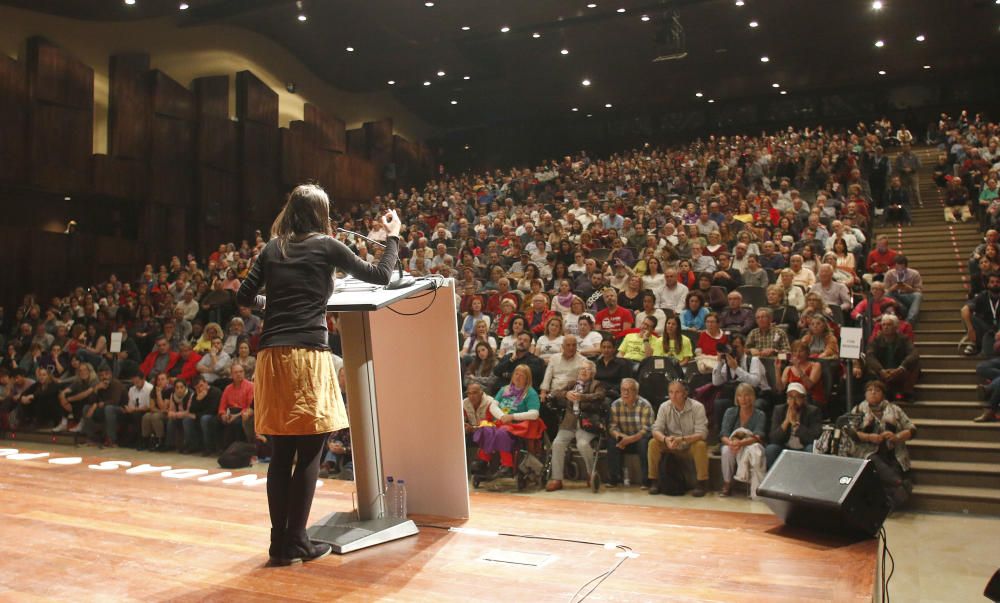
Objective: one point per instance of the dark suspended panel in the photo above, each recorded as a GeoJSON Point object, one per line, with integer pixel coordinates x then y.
{"type": "Point", "coordinates": [128, 106]}
{"type": "Point", "coordinates": [13, 122]}
{"type": "Point", "coordinates": [57, 77]}
{"type": "Point", "coordinates": [255, 101]}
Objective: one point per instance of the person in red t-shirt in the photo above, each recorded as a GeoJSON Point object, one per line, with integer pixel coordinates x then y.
{"type": "Point", "coordinates": [613, 318]}
{"type": "Point", "coordinates": [880, 259]}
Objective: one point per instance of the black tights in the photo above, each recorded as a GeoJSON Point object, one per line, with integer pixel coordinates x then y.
{"type": "Point", "coordinates": [290, 494]}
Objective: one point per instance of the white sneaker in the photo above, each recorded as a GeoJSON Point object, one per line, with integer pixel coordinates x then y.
{"type": "Point", "coordinates": [61, 427]}
{"type": "Point", "coordinates": [76, 428]}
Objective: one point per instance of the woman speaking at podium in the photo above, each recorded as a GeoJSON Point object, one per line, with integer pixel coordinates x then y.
{"type": "Point", "coordinates": [297, 399]}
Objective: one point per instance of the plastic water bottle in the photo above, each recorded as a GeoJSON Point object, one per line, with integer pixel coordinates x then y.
{"type": "Point", "coordinates": [401, 499]}
{"type": "Point", "coordinates": [390, 497]}
{"type": "Point", "coordinates": [625, 479]}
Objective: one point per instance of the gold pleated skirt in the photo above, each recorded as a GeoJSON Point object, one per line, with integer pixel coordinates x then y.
{"type": "Point", "coordinates": [296, 392]}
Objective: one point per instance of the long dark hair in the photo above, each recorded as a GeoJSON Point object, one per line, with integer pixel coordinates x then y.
{"type": "Point", "coordinates": [306, 213]}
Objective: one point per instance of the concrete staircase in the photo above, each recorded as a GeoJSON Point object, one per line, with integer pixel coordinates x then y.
{"type": "Point", "coordinates": [956, 463]}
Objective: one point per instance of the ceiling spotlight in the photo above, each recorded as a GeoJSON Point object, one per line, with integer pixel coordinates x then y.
{"type": "Point", "coordinates": [765, 59]}
{"type": "Point", "coordinates": [391, 82]}
{"type": "Point", "coordinates": [881, 71]}
{"type": "Point", "coordinates": [644, 18]}
{"type": "Point", "coordinates": [776, 85]}
{"type": "Point", "coordinates": [184, 6]}
{"type": "Point", "coordinates": [607, 105]}
{"type": "Point", "coordinates": [466, 147]}
{"type": "Point", "coordinates": [620, 10]}
{"type": "Point", "coordinates": [585, 82]}
{"type": "Point", "coordinates": [574, 109]}
{"type": "Point", "coordinates": [879, 43]}
{"type": "Point", "coordinates": [877, 5]}
{"type": "Point", "coordinates": [922, 37]}
{"type": "Point", "coordinates": [927, 66]}
{"type": "Point", "coordinates": [303, 18]}
{"type": "Point", "coordinates": [440, 73]}
{"type": "Point", "coordinates": [740, 3]}
{"type": "Point", "coordinates": [129, 2]}
{"type": "Point", "coordinates": [564, 51]}
{"type": "Point", "coordinates": [784, 92]}
{"type": "Point", "coordinates": [427, 83]}
{"type": "Point", "coordinates": [536, 35]}
{"type": "Point", "coordinates": [711, 100]}
{"type": "Point", "coordinates": [591, 5]}
{"type": "Point", "coordinates": [67, 198]}
{"type": "Point", "coordinates": [466, 28]}
{"type": "Point", "coordinates": [590, 115]}
{"type": "Point", "coordinates": [699, 94]}
{"type": "Point", "coordinates": [349, 49]}
{"type": "Point", "coordinates": [466, 78]}
{"type": "Point", "coordinates": [454, 102]}
{"type": "Point", "coordinates": [428, 4]}
{"type": "Point", "coordinates": [754, 24]}
{"type": "Point", "coordinates": [504, 29]}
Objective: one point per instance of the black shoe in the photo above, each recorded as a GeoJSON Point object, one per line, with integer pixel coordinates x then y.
{"type": "Point", "coordinates": [478, 467]}
{"type": "Point", "coordinates": [504, 472]}
{"type": "Point", "coordinates": [654, 489]}
{"type": "Point", "coordinates": [300, 549]}
{"type": "Point", "coordinates": [612, 484]}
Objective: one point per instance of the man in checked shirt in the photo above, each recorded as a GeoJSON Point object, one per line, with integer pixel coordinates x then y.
{"type": "Point", "coordinates": [630, 427]}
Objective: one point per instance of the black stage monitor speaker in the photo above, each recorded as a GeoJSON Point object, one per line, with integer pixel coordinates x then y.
{"type": "Point", "coordinates": [832, 494]}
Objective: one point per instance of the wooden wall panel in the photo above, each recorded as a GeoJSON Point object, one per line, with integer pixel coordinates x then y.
{"type": "Point", "coordinates": [171, 139]}
{"type": "Point", "coordinates": [13, 120]}
{"type": "Point", "coordinates": [170, 98]}
{"type": "Point", "coordinates": [330, 131]}
{"type": "Point", "coordinates": [171, 183]}
{"type": "Point", "coordinates": [357, 142]}
{"type": "Point", "coordinates": [259, 171]}
{"type": "Point", "coordinates": [61, 146]}
{"type": "Point", "coordinates": [120, 178]}
{"type": "Point", "coordinates": [255, 102]}
{"type": "Point", "coordinates": [211, 96]}
{"type": "Point", "coordinates": [379, 138]}
{"type": "Point", "coordinates": [128, 106]}
{"type": "Point", "coordinates": [217, 143]}
{"type": "Point", "coordinates": [56, 77]}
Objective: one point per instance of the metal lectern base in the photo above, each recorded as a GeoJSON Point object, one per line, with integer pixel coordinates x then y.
{"type": "Point", "coordinates": [346, 533]}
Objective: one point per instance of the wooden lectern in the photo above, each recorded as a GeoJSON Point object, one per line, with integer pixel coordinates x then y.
{"type": "Point", "coordinates": [404, 396]}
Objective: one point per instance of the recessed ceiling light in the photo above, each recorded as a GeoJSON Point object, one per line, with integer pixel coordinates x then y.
{"type": "Point", "coordinates": [591, 5]}
{"type": "Point", "coordinates": [536, 35]}
{"type": "Point", "coordinates": [440, 73]}
{"type": "Point", "coordinates": [504, 29]}
{"type": "Point", "coordinates": [454, 102]}
{"type": "Point", "coordinates": [921, 38]}
{"type": "Point", "coordinates": [564, 51]}
{"type": "Point", "coordinates": [184, 6]}
{"type": "Point", "coordinates": [303, 18]}
{"type": "Point", "coordinates": [699, 94]}
{"type": "Point", "coordinates": [427, 83]}
{"type": "Point", "coordinates": [644, 18]}
{"type": "Point", "coordinates": [466, 28]}
{"type": "Point", "coordinates": [67, 198]}
{"type": "Point", "coordinates": [585, 82]}
{"type": "Point", "coordinates": [391, 82]}
{"type": "Point", "coordinates": [130, 2]}
{"type": "Point", "coordinates": [466, 147]}
{"type": "Point", "coordinates": [927, 66]}
{"type": "Point", "coordinates": [607, 105]}
{"type": "Point", "coordinates": [590, 115]}
{"type": "Point", "coordinates": [754, 24]}
{"type": "Point", "coordinates": [740, 3]}
{"type": "Point", "coordinates": [711, 100]}
{"type": "Point", "coordinates": [467, 77]}
{"type": "Point", "coordinates": [428, 4]}
{"type": "Point", "coordinates": [349, 49]}
{"type": "Point", "coordinates": [776, 85]}
{"type": "Point", "coordinates": [877, 5]}
{"type": "Point", "coordinates": [620, 10]}
{"type": "Point", "coordinates": [765, 59]}
{"type": "Point", "coordinates": [881, 71]}
{"type": "Point", "coordinates": [575, 109]}
{"type": "Point", "coordinates": [784, 92]}
{"type": "Point", "coordinates": [879, 43]}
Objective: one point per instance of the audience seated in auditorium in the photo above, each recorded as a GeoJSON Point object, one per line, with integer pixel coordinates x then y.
{"type": "Point", "coordinates": [579, 400]}
{"type": "Point", "coordinates": [680, 429]}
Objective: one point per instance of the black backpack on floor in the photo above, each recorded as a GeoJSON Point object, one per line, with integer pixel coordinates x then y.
{"type": "Point", "coordinates": [238, 455]}
{"type": "Point", "coordinates": [670, 479]}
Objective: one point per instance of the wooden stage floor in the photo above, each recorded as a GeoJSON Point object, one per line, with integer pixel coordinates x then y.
{"type": "Point", "coordinates": [72, 533]}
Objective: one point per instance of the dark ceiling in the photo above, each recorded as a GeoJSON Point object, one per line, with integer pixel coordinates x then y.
{"type": "Point", "coordinates": [811, 45]}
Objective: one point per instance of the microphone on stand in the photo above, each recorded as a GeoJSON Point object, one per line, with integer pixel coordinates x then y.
{"type": "Point", "coordinates": [402, 280]}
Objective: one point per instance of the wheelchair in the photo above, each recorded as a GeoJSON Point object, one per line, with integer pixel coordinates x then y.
{"type": "Point", "coordinates": [532, 463]}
